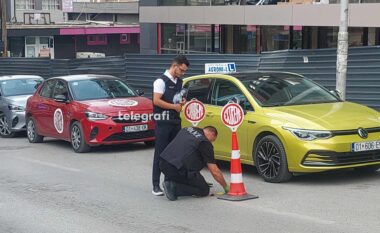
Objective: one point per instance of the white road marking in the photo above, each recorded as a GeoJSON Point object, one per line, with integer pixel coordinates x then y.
{"type": "Point", "coordinates": [46, 164]}
{"type": "Point", "coordinates": [295, 215]}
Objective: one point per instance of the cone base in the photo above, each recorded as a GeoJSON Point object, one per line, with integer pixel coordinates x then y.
{"type": "Point", "coordinates": [237, 198]}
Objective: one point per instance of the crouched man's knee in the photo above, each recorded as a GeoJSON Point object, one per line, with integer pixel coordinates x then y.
{"type": "Point", "coordinates": [204, 191]}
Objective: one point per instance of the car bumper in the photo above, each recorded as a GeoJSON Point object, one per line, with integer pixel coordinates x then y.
{"type": "Point", "coordinates": [329, 154]}
{"type": "Point", "coordinates": [16, 121]}
{"type": "Point", "coordinates": [108, 132]}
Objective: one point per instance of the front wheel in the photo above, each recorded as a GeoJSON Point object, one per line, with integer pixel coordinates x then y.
{"type": "Point", "coordinates": [77, 139]}
{"type": "Point", "coordinates": [5, 131]}
{"type": "Point", "coordinates": [31, 131]}
{"type": "Point", "coordinates": [270, 160]}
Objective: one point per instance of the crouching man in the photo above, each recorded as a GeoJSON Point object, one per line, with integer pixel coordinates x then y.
{"type": "Point", "coordinates": [183, 159]}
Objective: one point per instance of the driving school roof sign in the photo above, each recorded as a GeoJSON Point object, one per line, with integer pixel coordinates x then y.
{"type": "Point", "coordinates": [220, 68]}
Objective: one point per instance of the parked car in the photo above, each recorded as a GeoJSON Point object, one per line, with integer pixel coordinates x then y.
{"type": "Point", "coordinates": [14, 91]}
{"type": "Point", "coordinates": [291, 124]}
{"type": "Point", "coordinates": [89, 110]}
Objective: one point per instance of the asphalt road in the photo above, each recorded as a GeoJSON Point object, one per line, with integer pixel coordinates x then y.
{"type": "Point", "coordinates": [46, 188]}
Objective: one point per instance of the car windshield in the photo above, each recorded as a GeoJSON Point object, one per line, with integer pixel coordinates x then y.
{"type": "Point", "coordinates": [100, 89]}
{"type": "Point", "coordinates": [15, 87]}
{"type": "Point", "coordinates": [286, 89]}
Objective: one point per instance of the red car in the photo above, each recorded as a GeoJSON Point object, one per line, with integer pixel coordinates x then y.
{"type": "Point", "coordinates": [89, 110]}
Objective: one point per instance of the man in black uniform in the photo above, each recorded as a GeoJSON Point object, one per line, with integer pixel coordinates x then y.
{"type": "Point", "coordinates": [183, 159]}
{"type": "Point", "coordinates": [165, 93]}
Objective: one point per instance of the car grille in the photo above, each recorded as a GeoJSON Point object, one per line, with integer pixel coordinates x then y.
{"type": "Point", "coordinates": [354, 131]}
{"type": "Point", "coordinates": [329, 158]}
{"type": "Point", "coordinates": [124, 121]}
{"type": "Point", "coordinates": [130, 136]}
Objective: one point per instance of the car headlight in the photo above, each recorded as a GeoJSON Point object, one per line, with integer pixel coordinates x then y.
{"type": "Point", "coordinates": [93, 116]}
{"type": "Point", "coordinates": [16, 108]}
{"type": "Point", "coordinates": [309, 135]}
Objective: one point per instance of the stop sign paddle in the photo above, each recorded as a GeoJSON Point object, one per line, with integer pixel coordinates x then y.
{"type": "Point", "coordinates": [232, 115]}
{"type": "Point", "coordinates": [194, 111]}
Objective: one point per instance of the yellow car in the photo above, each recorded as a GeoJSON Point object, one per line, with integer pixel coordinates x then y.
{"type": "Point", "coordinates": [291, 124]}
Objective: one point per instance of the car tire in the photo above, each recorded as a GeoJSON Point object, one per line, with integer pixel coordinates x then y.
{"type": "Point", "coordinates": [270, 160]}
{"type": "Point", "coordinates": [149, 143]}
{"type": "Point", "coordinates": [367, 169]}
{"type": "Point", "coordinates": [31, 131]}
{"type": "Point", "coordinates": [78, 142]}
{"type": "Point", "coordinates": [4, 127]}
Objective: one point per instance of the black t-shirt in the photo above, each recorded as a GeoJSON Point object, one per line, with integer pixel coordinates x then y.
{"type": "Point", "coordinates": [207, 152]}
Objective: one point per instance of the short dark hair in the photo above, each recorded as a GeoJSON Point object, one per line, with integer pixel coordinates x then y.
{"type": "Point", "coordinates": [181, 59]}
{"type": "Point", "coordinates": [212, 129]}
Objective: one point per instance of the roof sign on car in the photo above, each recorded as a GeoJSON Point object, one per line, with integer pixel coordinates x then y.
{"type": "Point", "coordinates": [220, 68]}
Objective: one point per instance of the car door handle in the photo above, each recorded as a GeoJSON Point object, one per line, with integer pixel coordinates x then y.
{"type": "Point", "coordinates": [209, 114]}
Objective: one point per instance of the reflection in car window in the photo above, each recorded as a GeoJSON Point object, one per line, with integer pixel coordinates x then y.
{"type": "Point", "coordinates": [225, 91]}
{"type": "Point", "coordinates": [47, 89]}
{"type": "Point", "coordinates": [100, 89]}
{"type": "Point", "coordinates": [16, 87]}
{"type": "Point", "coordinates": [286, 89]}
{"type": "Point", "coordinates": [61, 89]}
{"type": "Point", "coordinates": [199, 89]}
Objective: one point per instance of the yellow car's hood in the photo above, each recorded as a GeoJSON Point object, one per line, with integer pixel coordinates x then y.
{"type": "Point", "coordinates": [325, 116]}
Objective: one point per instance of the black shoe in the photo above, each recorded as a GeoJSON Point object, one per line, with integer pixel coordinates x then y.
{"type": "Point", "coordinates": [157, 191]}
{"type": "Point", "coordinates": [169, 189]}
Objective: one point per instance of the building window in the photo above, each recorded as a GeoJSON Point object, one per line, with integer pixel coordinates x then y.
{"type": "Point", "coordinates": [274, 38]}
{"type": "Point", "coordinates": [25, 4]}
{"type": "Point", "coordinates": [125, 38]}
{"type": "Point", "coordinates": [51, 4]}
{"type": "Point", "coordinates": [182, 38]}
{"type": "Point", "coordinates": [97, 40]}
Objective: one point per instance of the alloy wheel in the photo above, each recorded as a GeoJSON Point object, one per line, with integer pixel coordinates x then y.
{"type": "Point", "coordinates": [4, 127]}
{"type": "Point", "coordinates": [76, 137]}
{"type": "Point", "coordinates": [269, 160]}
{"type": "Point", "coordinates": [30, 130]}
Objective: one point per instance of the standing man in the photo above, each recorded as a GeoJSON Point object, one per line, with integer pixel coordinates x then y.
{"type": "Point", "coordinates": [184, 158]}
{"type": "Point", "coordinates": [164, 90]}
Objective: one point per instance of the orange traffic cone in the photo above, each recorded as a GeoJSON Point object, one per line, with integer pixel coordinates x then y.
{"type": "Point", "coordinates": [237, 190]}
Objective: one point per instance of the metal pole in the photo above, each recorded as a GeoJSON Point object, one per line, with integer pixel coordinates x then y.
{"type": "Point", "coordinates": [4, 27]}
{"type": "Point", "coordinates": [342, 50]}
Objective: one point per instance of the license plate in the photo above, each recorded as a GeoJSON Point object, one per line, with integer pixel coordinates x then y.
{"type": "Point", "coordinates": [365, 146]}
{"type": "Point", "coordinates": [135, 128]}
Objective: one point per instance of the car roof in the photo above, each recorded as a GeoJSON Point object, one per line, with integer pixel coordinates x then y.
{"type": "Point", "coordinates": [246, 74]}
{"type": "Point", "coordinates": [260, 73]}
{"type": "Point", "coordinates": [8, 77]}
{"type": "Point", "coordinates": [79, 77]}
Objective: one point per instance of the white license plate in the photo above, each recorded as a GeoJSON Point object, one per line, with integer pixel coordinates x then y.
{"type": "Point", "coordinates": [365, 146]}
{"type": "Point", "coordinates": [135, 128]}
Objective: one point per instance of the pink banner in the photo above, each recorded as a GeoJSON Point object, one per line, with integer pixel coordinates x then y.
{"type": "Point", "coordinates": [98, 30]}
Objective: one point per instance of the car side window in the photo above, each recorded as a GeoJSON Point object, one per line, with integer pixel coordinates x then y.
{"type": "Point", "coordinates": [199, 89]}
{"type": "Point", "coordinates": [47, 89]}
{"type": "Point", "coordinates": [60, 89]}
{"type": "Point", "coordinates": [225, 91]}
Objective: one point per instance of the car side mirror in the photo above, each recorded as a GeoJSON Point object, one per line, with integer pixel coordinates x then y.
{"type": "Point", "coordinates": [337, 93]}
{"type": "Point", "coordinates": [61, 98]}
{"type": "Point", "coordinates": [37, 85]}
{"type": "Point", "coordinates": [140, 92]}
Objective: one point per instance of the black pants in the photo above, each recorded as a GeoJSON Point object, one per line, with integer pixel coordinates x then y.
{"type": "Point", "coordinates": [187, 184]}
{"type": "Point", "coordinates": [165, 133]}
